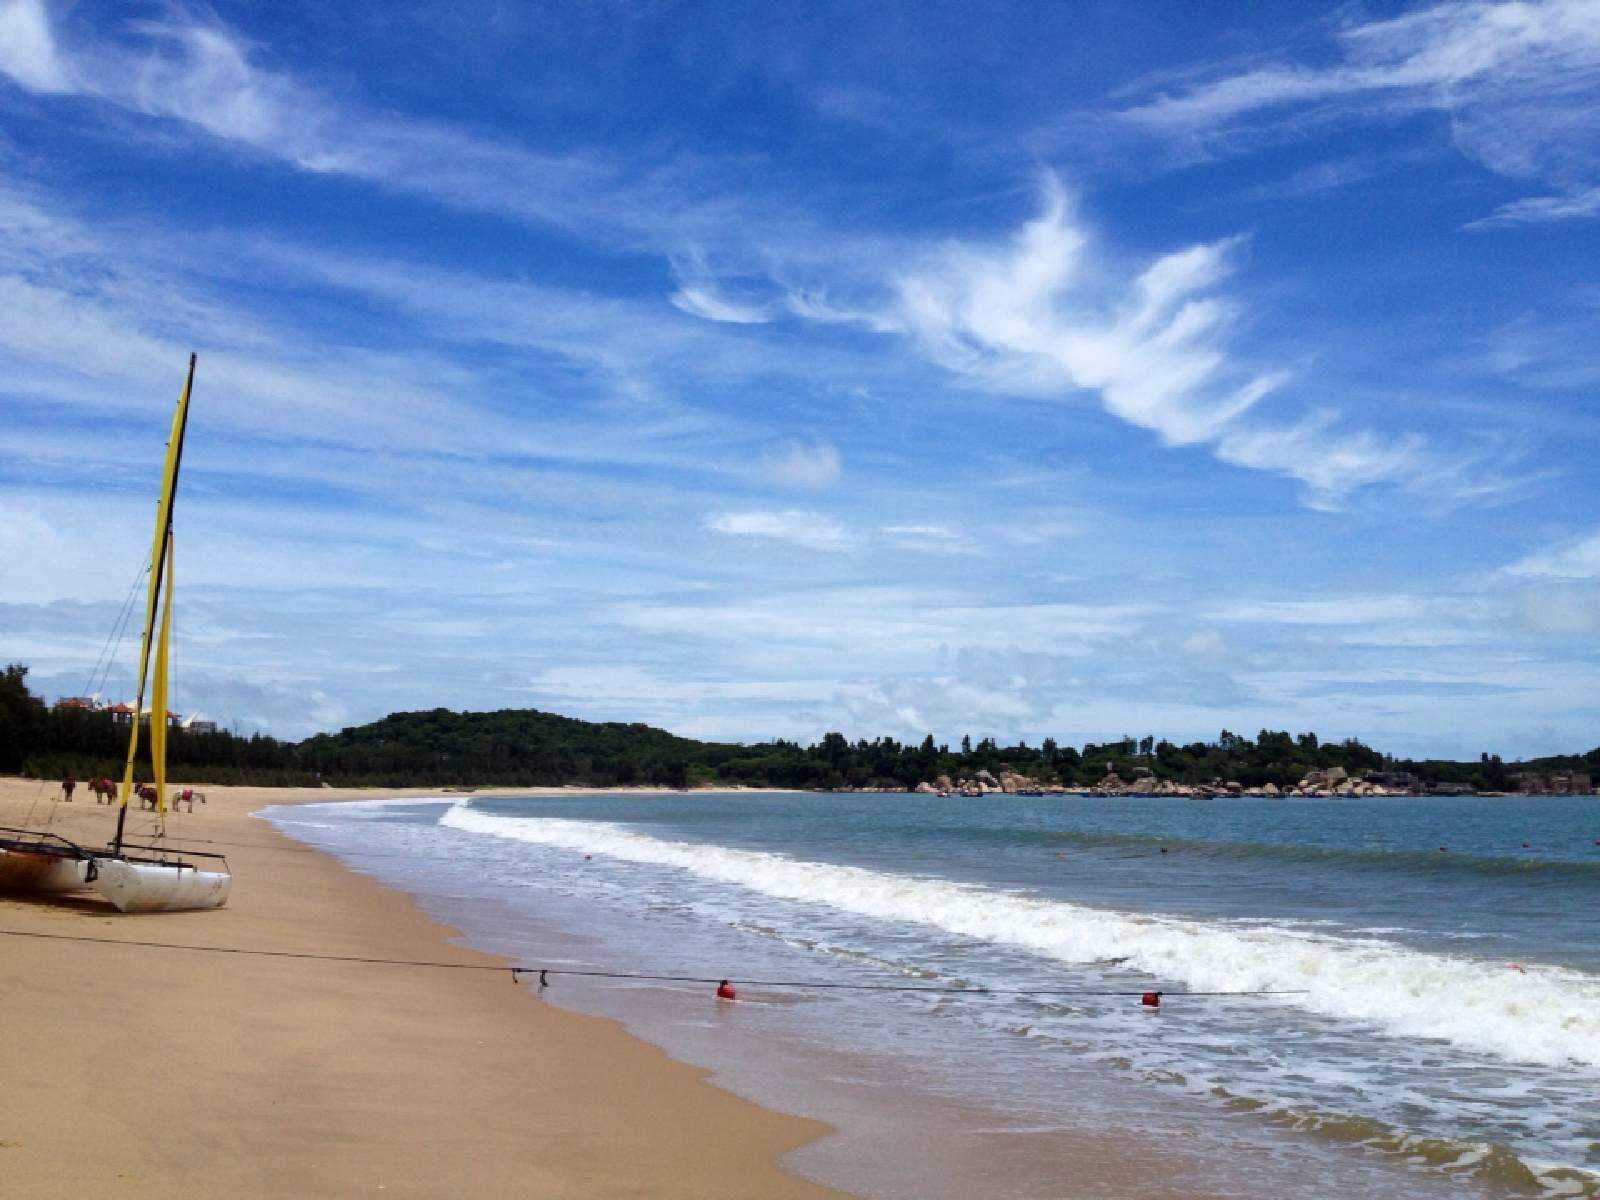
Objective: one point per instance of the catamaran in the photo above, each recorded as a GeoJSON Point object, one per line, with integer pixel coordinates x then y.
{"type": "Point", "coordinates": [135, 877]}
{"type": "Point", "coordinates": [40, 863]}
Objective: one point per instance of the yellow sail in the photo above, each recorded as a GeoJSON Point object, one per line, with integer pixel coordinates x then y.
{"type": "Point", "coordinates": [159, 557]}
{"type": "Point", "coordinates": [158, 693]}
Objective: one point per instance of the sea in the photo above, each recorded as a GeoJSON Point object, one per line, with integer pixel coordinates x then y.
{"type": "Point", "coordinates": [1360, 997]}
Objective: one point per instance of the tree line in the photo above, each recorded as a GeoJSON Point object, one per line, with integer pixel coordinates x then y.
{"type": "Point", "coordinates": [525, 747]}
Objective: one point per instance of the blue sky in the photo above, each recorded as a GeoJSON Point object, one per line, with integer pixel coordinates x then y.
{"type": "Point", "coordinates": [1070, 370]}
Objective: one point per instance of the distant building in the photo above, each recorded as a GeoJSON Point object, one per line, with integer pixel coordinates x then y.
{"type": "Point", "coordinates": [123, 713]}
{"type": "Point", "coordinates": [83, 703]}
{"type": "Point", "coordinates": [201, 725]}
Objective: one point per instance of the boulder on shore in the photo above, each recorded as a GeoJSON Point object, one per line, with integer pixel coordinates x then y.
{"type": "Point", "coordinates": [1324, 780]}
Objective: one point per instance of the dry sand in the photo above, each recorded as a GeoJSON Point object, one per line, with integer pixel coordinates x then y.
{"type": "Point", "coordinates": [131, 1072]}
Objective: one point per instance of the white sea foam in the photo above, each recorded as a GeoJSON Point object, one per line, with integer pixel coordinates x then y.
{"type": "Point", "coordinates": [366, 810]}
{"type": "Point", "coordinates": [1540, 1014]}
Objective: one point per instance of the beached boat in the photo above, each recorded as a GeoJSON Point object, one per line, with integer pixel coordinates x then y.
{"type": "Point", "coordinates": [166, 881]}
{"type": "Point", "coordinates": [155, 878]}
{"type": "Point", "coordinates": [40, 863]}
{"type": "Point", "coordinates": [156, 885]}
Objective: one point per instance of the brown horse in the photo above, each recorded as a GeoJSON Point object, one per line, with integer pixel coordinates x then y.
{"type": "Point", "coordinates": [147, 795]}
{"type": "Point", "coordinates": [105, 792]}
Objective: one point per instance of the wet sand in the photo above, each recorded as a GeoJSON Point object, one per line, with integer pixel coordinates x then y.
{"type": "Point", "coordinates": [135, 1072]}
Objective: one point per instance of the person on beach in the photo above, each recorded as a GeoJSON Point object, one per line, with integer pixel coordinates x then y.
{"type": "Point", "coordinates": [725, 991]}
{"type": "Point", "coordinates": [68, 783]}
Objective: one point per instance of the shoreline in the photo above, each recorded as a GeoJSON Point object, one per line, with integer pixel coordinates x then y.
{"type": "Point", "coordinates": [141, 1071]}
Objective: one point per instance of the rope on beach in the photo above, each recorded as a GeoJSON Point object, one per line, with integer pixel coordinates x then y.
{"type": "Point", "coordinates": [544, 973]}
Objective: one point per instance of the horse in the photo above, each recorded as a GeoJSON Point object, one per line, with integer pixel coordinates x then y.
{"type": "Point", "coordinates": [105, 792]}
{"type": "Point", "coordinates": [147, 795]}
{"type": "Point", "coordinates": [187, 796]}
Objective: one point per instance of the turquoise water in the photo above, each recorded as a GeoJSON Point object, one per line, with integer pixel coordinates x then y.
{"type": "Point", "coordinates": [1443, 1030]}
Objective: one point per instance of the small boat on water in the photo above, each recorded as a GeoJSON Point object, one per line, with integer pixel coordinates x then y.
{"type": "Point", "coordinates": [155, 878]}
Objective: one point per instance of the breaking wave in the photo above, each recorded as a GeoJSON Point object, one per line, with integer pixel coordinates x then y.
{"type": "Point", "coordinates": [1538, 1014]}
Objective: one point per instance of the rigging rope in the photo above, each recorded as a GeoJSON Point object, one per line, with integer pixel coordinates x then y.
{"type": "Point", "coordinates": [545, 972]}
{"type": "Point", "coordinates": [119, 629]}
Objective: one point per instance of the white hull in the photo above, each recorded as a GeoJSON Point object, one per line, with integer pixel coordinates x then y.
{"type": "Point", "coordinates": [27, 872]}
{"type": "Point", "coordinates": [158, 887]}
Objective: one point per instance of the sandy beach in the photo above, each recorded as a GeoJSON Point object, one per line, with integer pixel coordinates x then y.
{"type": "Point", "coordinates": [142, 1072]}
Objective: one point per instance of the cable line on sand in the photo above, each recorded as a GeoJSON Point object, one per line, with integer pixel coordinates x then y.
{"type": "Point", "coordinates": [544, 973]}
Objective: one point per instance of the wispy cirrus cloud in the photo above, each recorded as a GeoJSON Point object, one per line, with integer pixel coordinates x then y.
{"type": "Point", "coordinates": [1535, 210]}
{"type": "Point", "coordinates": [699, 294]}
{"type": "Point", "coordinates": [1518, 80]}
{"type": "Point", "coordinates": [798, 527]}
{"type": "Point", "coordinates": [28, 49]}
{"type": "Point", "coordinates": [928, 537]}
{"type": "Point", "coordinates": [1030, 316]}
{"type": "Point", "coordinates": [805, 464]}
{"type": "Point", "coordinates": [1042, 314]}
{"type": "Point", "coordinates": [703, 300]}
{"type": "Point", "coordinates": [1579, 559]}
{"type": "Point", "coordinates": [200, 73]}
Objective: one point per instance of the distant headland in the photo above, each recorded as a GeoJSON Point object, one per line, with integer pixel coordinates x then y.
{"type": "Point", "coordinates": [528, 748]}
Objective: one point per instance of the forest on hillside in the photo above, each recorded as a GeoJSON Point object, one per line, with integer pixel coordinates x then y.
{"type": "Point", "coordinates": [526, 747]}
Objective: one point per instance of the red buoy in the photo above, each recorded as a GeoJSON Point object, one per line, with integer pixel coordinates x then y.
{"type": "Point", "coordinates": [1151, 999]}
{"type": "Point", "coordinates": [725, 991]}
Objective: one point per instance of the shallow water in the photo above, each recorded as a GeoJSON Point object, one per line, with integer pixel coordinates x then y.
{"type": "Point", "coordinates": [1441, 1030]}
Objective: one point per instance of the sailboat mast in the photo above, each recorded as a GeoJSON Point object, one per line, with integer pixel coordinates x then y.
{"type": "Point", "coordinates": [159, 558]}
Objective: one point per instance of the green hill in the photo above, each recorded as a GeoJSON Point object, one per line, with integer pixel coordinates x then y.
{"type": "Point", "coordinates": [526, 747]}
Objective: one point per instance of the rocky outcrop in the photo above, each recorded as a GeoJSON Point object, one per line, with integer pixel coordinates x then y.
{"type": "Point", "coordinates": [1015, 781]}
{"type": "Point", "coordinates": [1324, 780]}
{"type": "Point", "coordinates": [1554, 783]}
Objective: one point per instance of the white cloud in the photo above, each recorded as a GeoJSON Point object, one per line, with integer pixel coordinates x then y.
{"type": "Point", "coordinates": [27, 49]}
{"type": "Point", "coordinates": [1575, 560]}
{"type": "Point", "coordinates": [199, 73]}
{"type": "Point", "coordinates": [1346, 610]}
{"type": "Point", "coordinates": [1205, 643]}
{"type": "Point", "coordinates": [1331, 463]}
{"type": "Point", "coordinates": [795, 526]}
{"type": "Point", "coordinates": [1561, 611]}
{"type": "Point", "coordinates": [1039, 315]}
{"type": "Point", "coordinates": [1537, 210]}
{"type": "Point", "coordinates": [804, 464]}
{"type": "Point", "coordinates": [1030, 316]}
{"type": "Point", "coordinates": [928, 538]}
{"type": "Point", "coordinates": [1518, 81]}
{"type": "Point", "coordinates": [634, 689]}
{"type": "Point", "coordinates": [938, 533]}
{"type": "Point", "coordinates": [884, 622]}
{"type": "Point", "coordinates": [702, 300]}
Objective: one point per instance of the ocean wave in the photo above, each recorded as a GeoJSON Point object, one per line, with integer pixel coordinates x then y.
{"type": "Point", "coordinates": [1428, 862]}
{"type": "Point", "coordinates": [1490, 1163]}
{"type": "Point", "coordinates": [1538, 1014]}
